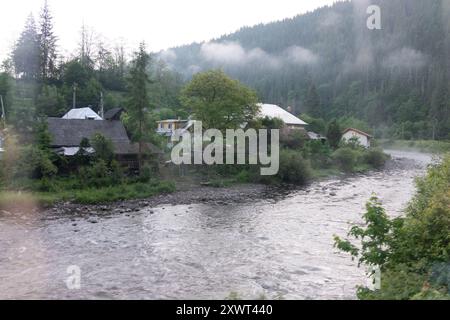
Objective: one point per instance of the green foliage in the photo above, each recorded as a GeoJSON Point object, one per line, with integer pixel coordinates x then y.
{"type": "Point", "coordinates": [139, 119]}
{"type": "Point", "coordinates": [272, 123]}
{"type": "Point", "coordinates": [50, 102]}
{"type": "Point", "coordinates": [293, 139]}
{"type": "Point", "coordinates": [334, 134]}
{"type": "Point", "coordinates": [218, 101]}
{"type": "Point", "coordinates": [26, 52]}
{"type": "Point", "coordinates": [34, 163]}
{"type": "Point", "coordinates": [317, 125]}
{"type": "Point", "coordinates": [312, 103]}
{"type": "Point", "coordinates": [346, 159]}
{"type": "Point", "coordinates": [351, 122]}
{"type": "Point", "coordinates": [376, 239]}
{"type": "Point", "coordinates": [319, 152]}
{"type": "Point", "coordinates": [293, 168]}
{"type": "Point", "coordinates": [413, 252]}
{"type": "Point", "coordinates": [146, 173]}
{"type": "Point", "coordinates": [95, 175]}
{"type": "Point", "coordinates": [376, 158]}
{"type": "Point", "coordinates": [104, 148]}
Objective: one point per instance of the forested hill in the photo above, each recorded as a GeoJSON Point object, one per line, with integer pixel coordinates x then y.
{"type": "Point", "coordinates": [328, 64]}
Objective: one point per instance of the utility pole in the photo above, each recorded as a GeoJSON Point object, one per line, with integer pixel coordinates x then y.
{"type": "Point", "coordinates": [3, 118]}
{"type": "Point", "coordinates": [74, 99]}
{"type": "Point", "coordinates": [102, 109]}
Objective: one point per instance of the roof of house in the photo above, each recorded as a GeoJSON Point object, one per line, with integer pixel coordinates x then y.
{"type": "Point", "coordinates": [112, 113]}
{"type": "Point", "coordinates": [70, 132]}
{"type": "Point", "coordinates": [274, 111]}
{"type": "Point", "coordinates": [82, 113]}
{"type": "Point", "coordinates": [358, 131]}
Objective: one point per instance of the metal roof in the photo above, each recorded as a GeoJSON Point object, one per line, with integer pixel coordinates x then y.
{"type": "Point", "coordinates": [82, 114]}
{"type": "Point", "coordinates": [274, 111]}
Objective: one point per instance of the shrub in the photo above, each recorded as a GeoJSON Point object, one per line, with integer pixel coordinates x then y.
{"type": "Point", "coordinates": [293, 139]}
{"type": "Point", "coordinates": [375, 158]}
{"type": "Point", "coordinates": [320, 152]}
{"type": "Point", "coordinates": [145, 174]}
{"type": "Point", "coordinates": [346, 159]}
{"type": "Point", "coordinates": [34, 164]}
{"type": "Point", "coordinates": [104, 148]}
{"type": "Point", "coordinates": [293, 168]}
{"type": "Point", "coordinates": [94, 176]}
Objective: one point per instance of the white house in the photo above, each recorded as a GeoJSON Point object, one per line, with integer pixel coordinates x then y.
{"type": "Point", "coordinates": [274, 111]}
{"type": "Point", "coordinates": [82, 114]}
{"type": "Point", "coordinates": [363, 137]}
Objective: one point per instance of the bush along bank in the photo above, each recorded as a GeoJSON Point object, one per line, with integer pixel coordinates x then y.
{"type": "Point", "coordinates": [411, 252]}
{"type": "Point", "coordinates": [302, 163]}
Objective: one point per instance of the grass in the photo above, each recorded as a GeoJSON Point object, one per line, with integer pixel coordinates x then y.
{"type": "Point", "coordinates": [138, 190]}
{"type": "Point", "coordinates": [429, 146]}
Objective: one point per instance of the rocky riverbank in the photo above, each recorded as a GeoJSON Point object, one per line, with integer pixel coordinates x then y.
{"type": "Point", "coordinates": [202, 194]}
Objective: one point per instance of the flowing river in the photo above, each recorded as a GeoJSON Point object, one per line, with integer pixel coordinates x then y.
{"type": "Point", "coordinates": [278, 247]}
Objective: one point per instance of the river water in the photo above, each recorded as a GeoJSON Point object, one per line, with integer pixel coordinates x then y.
{"type": "Point", "coordinates": [278, 247]}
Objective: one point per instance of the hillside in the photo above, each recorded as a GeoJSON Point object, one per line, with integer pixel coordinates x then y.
{"type": "Point", "coordinates": [328, 64]}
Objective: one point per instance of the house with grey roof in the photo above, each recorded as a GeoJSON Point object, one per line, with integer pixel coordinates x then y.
{"type": "Point", "coordinates": [67, 135]}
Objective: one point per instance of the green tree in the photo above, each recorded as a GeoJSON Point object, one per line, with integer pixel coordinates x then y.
{"type": "Point", "coordinates": [26, 52]}
{"type": "Point", "coordinates": [47, 42]}
{"type": "Point", "coordinates": [312, 103]}
{"type": "Point", "coordinates": [50, 102]}
{"type": "Point", "coordinates": [139, 119]}
{"type": "Point", "coordinates": [334, 134]}
{"type": "Point", "coordinates": [218, 101]}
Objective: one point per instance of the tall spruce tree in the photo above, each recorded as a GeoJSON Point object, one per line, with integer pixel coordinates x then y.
{"type": "Point", "coordinates": [26, 52]}
{"type": "Point", "coordinates": [47, 42]}
{"type": "Point", "coordinates": [138, 119]}
{"type": "Point", "coordinates": [312, 103]}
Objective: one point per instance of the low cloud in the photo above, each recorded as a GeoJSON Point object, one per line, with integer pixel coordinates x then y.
{"type": "Point", "coordinates": [232, 53]}
{"type": "Point", "coordinates": [406, 58]}
{"type": "Point", "coordinates": [193, 69]}
{"type": "Point", "coordinates": [302, 56]}
{"type": "Point", "coordinates": [168, 55]}
{"type": "Point", "coordinates": [228, 53]}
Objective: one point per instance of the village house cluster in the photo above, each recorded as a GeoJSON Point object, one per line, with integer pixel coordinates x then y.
{"type": "Point", "coordinates": [68, 132]}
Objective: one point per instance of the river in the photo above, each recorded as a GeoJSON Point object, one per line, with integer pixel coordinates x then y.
{"type": "Point", "coordinates": [278, 247]}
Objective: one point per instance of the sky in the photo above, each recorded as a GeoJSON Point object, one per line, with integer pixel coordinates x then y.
{"type": "Point", "coordinates": [161, 24]}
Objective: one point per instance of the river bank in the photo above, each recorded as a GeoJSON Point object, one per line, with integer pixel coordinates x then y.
{"type": "Point", "coordinates": [193, 193]}
{"type": "Point", "coordinates": [197, 193]}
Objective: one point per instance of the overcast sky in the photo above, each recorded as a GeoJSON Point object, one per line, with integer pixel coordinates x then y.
{"type": "Point", "coordinates": [161, 24]}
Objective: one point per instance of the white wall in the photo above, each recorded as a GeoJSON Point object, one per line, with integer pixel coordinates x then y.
{"type": "Point", "coordinates": [363, 140]}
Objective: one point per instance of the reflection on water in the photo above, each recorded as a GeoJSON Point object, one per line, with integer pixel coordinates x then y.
{"type": "Point", "coordinates": [275, 247]}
